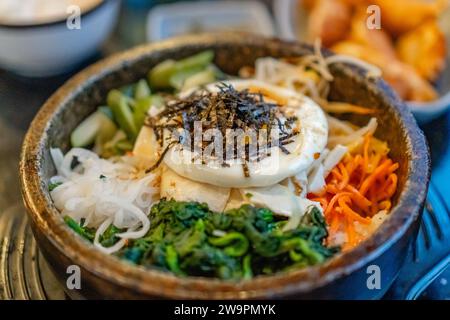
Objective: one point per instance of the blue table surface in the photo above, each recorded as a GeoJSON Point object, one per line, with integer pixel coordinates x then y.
{"type": "Point", "coordinates": [438, 134]}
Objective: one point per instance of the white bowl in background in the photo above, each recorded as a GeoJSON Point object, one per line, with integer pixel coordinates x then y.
{"type": "Point", "coordinates": [290, 19]}
{"type": "Point", "coordinates": [52, 48]}
{"type": "Point", "coordinates": [168, 20]}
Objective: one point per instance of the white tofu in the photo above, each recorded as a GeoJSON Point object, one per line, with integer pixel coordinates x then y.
{"type": "Point", "coordinates": [146, 146]}
{"type": "Point", "coordinates": [279, 199]}
{"type": "Point", "coordinates": [179, 188]}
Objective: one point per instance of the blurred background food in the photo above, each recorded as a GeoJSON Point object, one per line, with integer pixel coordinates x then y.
{"type": "Point", "coordinates": [409, 46]}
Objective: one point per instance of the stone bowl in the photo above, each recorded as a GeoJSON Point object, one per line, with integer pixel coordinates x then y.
{"type": "Point", "coordinates": [345, 276]}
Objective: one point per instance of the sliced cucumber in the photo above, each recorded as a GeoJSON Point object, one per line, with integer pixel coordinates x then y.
{"type": "Point", "coordinates": [178, 78]}
{"type": "Point", "coordinates": [199, 79]}
{"type": "Point", "coordinates": [140, 112]}
{"type": "Point", "coordinates": [159, 76]}
{"type": "Point", "coordinates": [162, 75]}
{"type": "Point", "coordinates": [142, 107]}
{"type": "Point", "coordinates": [142, 90]}
{"type": "Point", "coordinates": [122, 113]}
{"type": "Point", "coordinates": [201, 59]}
{"type": "Point", "coordinates": [107, 130]}
{"type": "Point", "coordinates": [94, 125]}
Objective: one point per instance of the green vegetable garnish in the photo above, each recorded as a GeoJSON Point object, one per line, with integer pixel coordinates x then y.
{"type": "Point", "coordinates": [247, 267]}
{"type": "Point", "coordinates": [142, 106]}
{"type": "Point", "coordinates": [199, 79]}
{"type": "Point", "coordinates": [142, 90]}
{"type": "Point", "coordinates": [172, 74]}
{"type": "Point", "coordinates": [122, 113]}
{"type": "Point", "coordinates": [188, 239]}
{"type": "Point", "coordinates": [235, 243]}
{"type": "Point", "coordinates": [97, 124]}
{"type": "Point", "coordinates": [86, 233]}
{"type": "Point", "coordinates": [172, 260]}
{"type": "Point", "coordinates": [108, 238]}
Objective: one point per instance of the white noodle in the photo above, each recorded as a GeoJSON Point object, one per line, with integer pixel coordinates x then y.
{"type": "Point", "coordinates": [101, 192]}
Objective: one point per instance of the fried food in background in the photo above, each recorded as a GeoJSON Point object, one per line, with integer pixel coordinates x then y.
{"type": "Point", "coordinates": [400, 16]}
{"type": "Point", "coordinates": [329, 20]}
{"type": "Point", "coordinates": [377, 39]}
{"type": "Point", "coordinates": [424, 49]}
{"type": "Point", "coordinates": [405, 80]}
{"type": "Point", "coordinates": [409, 48]}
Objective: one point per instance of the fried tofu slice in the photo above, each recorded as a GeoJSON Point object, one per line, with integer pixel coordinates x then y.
{"type": "Point", "coordinates": [179, 188]}
{"type": "Point", "coordinates": [424, 48]}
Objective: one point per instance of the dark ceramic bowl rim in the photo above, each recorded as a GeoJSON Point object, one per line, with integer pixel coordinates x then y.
{"type": "Point", "coordinates": [53, 22]}
{"type": "Point", "coordinates": [153, 282]}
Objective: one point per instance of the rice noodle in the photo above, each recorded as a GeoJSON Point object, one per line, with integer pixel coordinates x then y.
{"type": "Point", "coordinates": [336, 126]}
{"type": "Point", "coordinates": [99, 193]}
{"type": "Point", "coordinates": [355, 137]}
{"type": "Point", "coordinates": [297, 76]}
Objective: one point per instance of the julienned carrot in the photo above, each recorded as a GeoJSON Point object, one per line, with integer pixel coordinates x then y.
{"type": "Point", "coordinates": [378, 173]}
{"type": "Point", "coordinates": [333, 202]}
{"type": "Point", "coordinates": [361, 201]}
{"type": "Point", "coordinates": [350, 213]}
{"type": "Point", "coordinates": [361, 185]}
{"type": "Point", "coordinates": [345, 177]}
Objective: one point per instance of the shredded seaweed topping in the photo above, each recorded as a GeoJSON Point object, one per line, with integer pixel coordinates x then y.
{"type": "Point", "coordinates": [224, 110]}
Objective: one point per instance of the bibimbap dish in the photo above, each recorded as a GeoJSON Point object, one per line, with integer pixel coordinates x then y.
{"type": "Point", "coordinates": [201, 171]}
{"type": "Point", "coordinates": [196, 172]}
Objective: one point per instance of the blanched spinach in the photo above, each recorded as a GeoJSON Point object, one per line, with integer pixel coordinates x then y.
{"type": "Point", "coordinates": [188, 239]}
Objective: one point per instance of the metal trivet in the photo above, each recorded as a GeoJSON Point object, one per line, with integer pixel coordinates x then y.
{"type": "Point", "coordinates": [24, 274]}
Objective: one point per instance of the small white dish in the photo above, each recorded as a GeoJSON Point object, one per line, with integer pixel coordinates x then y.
{"type": "Point", "coordinates": [51, 48]}
{"type": "Point", "coordinates": [168, 20]}
{"type": "Point", "coordinates": [290, 19]}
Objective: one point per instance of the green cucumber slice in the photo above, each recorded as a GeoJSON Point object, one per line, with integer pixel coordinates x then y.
{"type": "Point", "coordinates": [199, 79]}
{"type": "Point", "coordinates": [142, 90]}
{"type": "Point", "coordinates": [87, 131]}
{"type": "Point", "coordinates": [161, 76]}
{"type": "Point", "coordinates": [122, 113]}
